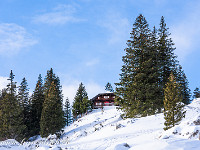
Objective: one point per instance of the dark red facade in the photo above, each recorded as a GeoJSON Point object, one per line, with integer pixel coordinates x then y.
{"type": "Point", "coordinates": [103, 99]}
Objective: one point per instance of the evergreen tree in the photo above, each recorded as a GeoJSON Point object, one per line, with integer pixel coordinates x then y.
{"type": "Point", "coordinates": [81, 103]}
{"type": "Point", "coordinates": [166, 57]}
{"type": "Point", "coordinates": [50, 77]}
{"type": "Point", "coordinates": [109, 87]}
{"type": "Point", "coordinates": [196, 93]}
{"type": "Point", "coordinates": [173, 105]}
{"type": "Point", "coordinates": [184, 85]}
{"type": "Point", "coordinates": [11, 119]}
{"type": "Point", "coordinates": [24, 101]}
{"type": "Point", "coordinates": [138, 90]}
{"type": "Point", "coordinates": [36, 106]}
{"type": "Point", "coordinates": [67, 112]}
{"type": "Point", "coordinates": [52, 117]}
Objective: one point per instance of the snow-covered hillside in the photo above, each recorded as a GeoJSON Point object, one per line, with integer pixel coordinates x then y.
{"type": "Point", "coordinates": [105, 130]}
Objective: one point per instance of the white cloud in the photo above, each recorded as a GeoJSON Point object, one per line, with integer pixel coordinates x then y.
{"type": "Point", "coordinates": [186, 32]}
{"type": "Point", "coordinates": [93, 89]}
{"type": "Point", "coordinates": [61, 14]}
{"type": "Point", "coordinates": [13, 39]}
{"type": "Point", "coordinates": [70, 88]}
{"type": "Point", "coordinates": [3, 82]}
{"type": "Point", "coordinates": [118, 28]}
{"type": "Point", "coordinates": [92, 62]}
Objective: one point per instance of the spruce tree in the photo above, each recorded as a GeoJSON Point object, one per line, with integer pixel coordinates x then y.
{"type": "Point", "coordinates": [166, 57]}
{"type": "Point", "coordinates": [184, 84]}
{"type": "Point", "coordinates": [50, 77]}
{"type": "Point", "coordinates": [52, 117]}
{"type": "Point", "coordinates": [67, 112]}
{"type": "Point", "coordinates": [24, 100]}
{"type": "Point", "coordinates": [196, 93]}
{"type": "Point", "coordinates": [36, 106]}
{"type": "Point", "coordinates": [138, 89]}
{"type": "Point", "coordinates": [109, 87]}
{"type": "Point", "coordinates": [11, 118]}
{"type": "Point", "coordinates": [173, 105]}
{"type": "Point", "coordinates": [81, 103]}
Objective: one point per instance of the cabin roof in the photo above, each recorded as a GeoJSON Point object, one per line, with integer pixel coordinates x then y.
{"type": "Point", "coordinates": [103, 94]}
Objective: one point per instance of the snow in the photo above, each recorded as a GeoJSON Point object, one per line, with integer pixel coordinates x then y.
{"type": "Point", "coordinates": [106, 130]}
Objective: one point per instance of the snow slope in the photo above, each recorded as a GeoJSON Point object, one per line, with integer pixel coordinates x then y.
{"type": "Point", "coordinates": [105, 130]}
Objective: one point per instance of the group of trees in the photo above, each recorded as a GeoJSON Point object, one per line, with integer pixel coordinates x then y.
{"type": "Point", "coordinates": [42, 113]}
{"type": "Point", "coordinates": [23, 116]}
{"type": "Point", "coordinates": [148, 63]}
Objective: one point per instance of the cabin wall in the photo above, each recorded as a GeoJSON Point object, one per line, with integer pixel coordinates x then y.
{"type": "Point", "coordinates": [103, 100]}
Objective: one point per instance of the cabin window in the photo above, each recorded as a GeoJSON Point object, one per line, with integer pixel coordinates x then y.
{"type": "Point", "coordinates": [98, 103]}
{"type": "Point", "coordinates": [106, 97]}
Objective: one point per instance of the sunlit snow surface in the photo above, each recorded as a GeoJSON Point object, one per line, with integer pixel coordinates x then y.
{"type": "Point", "coordinates": [105, 130]}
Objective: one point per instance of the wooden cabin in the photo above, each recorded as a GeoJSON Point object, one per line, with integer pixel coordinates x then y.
{"type": "Point", "coordinates": [103, 99]}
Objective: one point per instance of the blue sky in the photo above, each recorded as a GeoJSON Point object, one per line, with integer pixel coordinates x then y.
{"type": "Point", "coordinates": [84, 40]}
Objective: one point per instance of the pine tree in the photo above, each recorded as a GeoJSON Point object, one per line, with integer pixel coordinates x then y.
{"type": "Point", "coordinates": [81, 103]}
{"type": "Point", "coordinates": [67, 112]}
{"type": "Point", "coordinates": [109, 87]}
{"type": "Point", "coordinates": [52, 117]}
{"type": "Point", "coordinates": [36, 106]}
{"type": "Point", "coordinates": [11, 119]}
{"type": "Point", "coordinates": [173, 105]}
{"type": "Point", "coordinates": [196, 93]}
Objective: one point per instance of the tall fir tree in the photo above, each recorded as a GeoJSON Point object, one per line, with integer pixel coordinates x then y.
{"type": "Point", "coordinates": [37, 99]}
{"type": "Point", "coordinates": [109, 87]}
{"type": "Point", "coordinates": [173, 105]}
{"type": "Point", "coordinates": [81, 103]}
{"type": "Point", "coordinates": [138, 86]}
{"type": "Point", "coordinates": [11, 118]}
{"type": "Point", "coordinates": [67, 112]}
{"type": "Point", "coordinates": [166, 57]}
{"type": "Point", "coordinates": [24, 101]}
{"type": "Point", "coordinates": [52, 117]}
